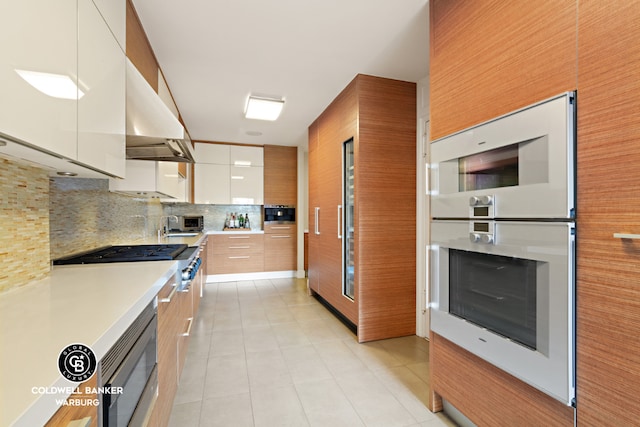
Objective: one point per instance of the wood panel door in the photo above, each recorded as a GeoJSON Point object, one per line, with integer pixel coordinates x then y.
{"type": "Point", "coordinates": [313, 243]}
{"type": "Point", "coordinates": [280, 175]}
{"type": "Point", "coordinates": [385, 189]}
{"type": "Point", "coordinates": [336, 125]}
{"type": "Point", "coordinates": [608, 270]}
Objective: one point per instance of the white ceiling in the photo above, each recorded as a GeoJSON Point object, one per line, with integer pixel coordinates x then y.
{"type": "Point", "coordinates": [215, 53]}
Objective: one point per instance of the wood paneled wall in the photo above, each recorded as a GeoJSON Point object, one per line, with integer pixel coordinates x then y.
{"type": "Point", "coordinates": [139, 50]}
{"type": "Point", "coordinates": [608, 279]}
{"type": "Point", "coordinates": [280, 175]}
{"type": "Point", "coordinates": [380, 115]}
{"type": "Point", "coordinates": [489, 395]}
{"type": "Point", "coordinates": [490, 57]}
{"type": "Point", "coordinates": [385, 181]}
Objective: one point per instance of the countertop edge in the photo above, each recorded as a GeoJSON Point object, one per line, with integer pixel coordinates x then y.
{"type": "Point", "coordinates": [44, 406]}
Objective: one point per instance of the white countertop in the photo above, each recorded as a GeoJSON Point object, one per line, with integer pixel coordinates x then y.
{"type": "Point", "coordinates": [88, 304]}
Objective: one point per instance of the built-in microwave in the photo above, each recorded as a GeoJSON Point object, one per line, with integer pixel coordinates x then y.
{"type": "Point", "coordinates": [520, 165]}
{"type": "Point", "coordinates": [279, 213]}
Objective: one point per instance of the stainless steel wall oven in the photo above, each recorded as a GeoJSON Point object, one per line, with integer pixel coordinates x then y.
{"type": "Point", "coordinates": [503, 243]}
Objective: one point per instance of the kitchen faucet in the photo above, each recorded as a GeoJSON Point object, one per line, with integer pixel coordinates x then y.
{"type": "Point", "coordinates": [164, 225]}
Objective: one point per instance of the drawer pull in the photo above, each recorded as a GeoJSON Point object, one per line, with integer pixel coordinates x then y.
{"type": "Point", "coordinates": [186, 334]}
{"type": "Point", "coordinates": [239, 247]}
{"type": "Point", "coordinates": [281, 237]}
{"type": "Point", "coordinates": [239, 237]}
{"type": "Point", "coordinates": [281, 228]}
{"type": "Point", "coordinates": [626, 236]}
{"type": "Point", "coordinates": [238, 257]}
{"type": "Point", "coordinates": [173, 292]}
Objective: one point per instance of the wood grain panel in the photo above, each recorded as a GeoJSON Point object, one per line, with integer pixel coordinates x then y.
{"type": "Point", "coordinates": [66, 414]}
{"type": "Point", "coordinates": [608, 343]}
{"type": "Point", "coordinates": [280, 175]}
{"type": "Point", "coordinates": [385, 194]}
{"type": "Point", "coordinates": [168, 329]}
{"type": "Point", "coordinates": [489, 57]}
{"type": "Point", "coordinates": [313, 240]}
{"type": "Point", "coordinates": [237, 243]}
{"type": "Point", "coordinates": [139, 49]}
{"type": "Point", "coordinates": [488, 395]}
{"type": "Point", "coordinates": [280, 251]}
{"type": "Point", "coordinates": [336, 125]}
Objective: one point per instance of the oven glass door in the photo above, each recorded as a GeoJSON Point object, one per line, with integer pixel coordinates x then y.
{"type": "Point", "coordinates": [495, 292]}
{"type": "Point", "coordinates": [507, 295]}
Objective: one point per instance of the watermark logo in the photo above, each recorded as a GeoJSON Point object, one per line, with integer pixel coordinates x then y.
{"type": "Point", "coordinates": [77, 362]}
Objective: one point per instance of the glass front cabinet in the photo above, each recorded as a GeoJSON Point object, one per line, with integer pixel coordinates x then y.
{"type": "Point", "coordinates": [347, 211]}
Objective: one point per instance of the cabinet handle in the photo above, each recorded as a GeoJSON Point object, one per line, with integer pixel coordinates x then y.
{"type": "Point", "coordinates": [626, 236]}
{"type": "Point", "coordinates": [173, 292]}
{"type": "Point", "coordinates": [239, 247]}
{"type": "Point", "coordinates": [186, 334]}
{"type": "Point", "coordinates": [281, 228]}
{"type": "Point", "coordinates": [317, 228]}
{"type": "Point", "coordinates": [339, 221]}
{"type": "Point", "coordinates": [275, 236]}
{"type": "Point", "coordinates": [238, 257]}
{"type": "Point", "coordinates": [239, 237]}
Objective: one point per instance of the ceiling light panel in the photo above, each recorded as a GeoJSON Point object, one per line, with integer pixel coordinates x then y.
{"type": "Point", "coordinates": [261, 108]}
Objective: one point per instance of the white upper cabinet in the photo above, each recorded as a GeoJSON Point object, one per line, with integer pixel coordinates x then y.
{"type": "Point", "coordinates": [246, 185]}
{"type": "Point", "coordinates": [62, 81]}
{"type": "Point", "coordinates": [229, 174]}
{"type": "Point", "coordinates": [216, 154]}
{"type": "Point", "coordinates": [114, 13]}
{"type": "Point", "coordinates": [149, 179]}
{"type": "Point", "coordinates": [102, 78]}
{"type": "Point", "coordinates": [38, 74]}
{"type": "Point", "coordinates": [246, 156]}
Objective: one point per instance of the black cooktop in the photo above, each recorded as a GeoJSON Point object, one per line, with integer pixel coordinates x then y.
{"type": "Point", "coordinates": [125, 254]}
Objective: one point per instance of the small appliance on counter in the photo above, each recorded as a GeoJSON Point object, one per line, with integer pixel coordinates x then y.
{"type": "Point", "coordinates": [185, 223]}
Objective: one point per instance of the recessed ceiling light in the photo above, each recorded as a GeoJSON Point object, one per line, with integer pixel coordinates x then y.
{"type": "Point", "coordinates": [262, 108]}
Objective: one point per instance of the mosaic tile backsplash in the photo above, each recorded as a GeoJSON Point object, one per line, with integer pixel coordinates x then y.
{"type": "Point", "coordinates": [46, 218]}
{"type": "Point", "coordinates": [24, 219]}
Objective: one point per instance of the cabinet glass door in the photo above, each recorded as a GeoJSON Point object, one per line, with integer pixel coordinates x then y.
{"type": "Point", "coordinates": [348, 221]}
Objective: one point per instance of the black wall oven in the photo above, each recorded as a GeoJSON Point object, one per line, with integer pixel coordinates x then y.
{"type": "Point", "coordinates": [503, 243]}
{"type": "Point", "coordinates": [129, 374]}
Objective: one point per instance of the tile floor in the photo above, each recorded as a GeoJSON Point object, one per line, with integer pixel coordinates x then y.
{"type": "Point", "coordinates": [265, 353]}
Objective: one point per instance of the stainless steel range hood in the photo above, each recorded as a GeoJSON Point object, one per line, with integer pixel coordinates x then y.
{"type": "Point", "coordinates": [153, 132]}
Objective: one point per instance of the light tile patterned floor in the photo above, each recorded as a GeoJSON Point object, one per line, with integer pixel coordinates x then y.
{"type": "Point", "coordinates": [265, 353]}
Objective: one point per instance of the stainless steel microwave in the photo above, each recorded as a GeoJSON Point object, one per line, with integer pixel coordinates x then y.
{"type": "Point", "coordinates": [186, 223]}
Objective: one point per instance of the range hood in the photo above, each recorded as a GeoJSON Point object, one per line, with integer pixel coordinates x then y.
{"type": "Point", "coordinates": [153, 132]}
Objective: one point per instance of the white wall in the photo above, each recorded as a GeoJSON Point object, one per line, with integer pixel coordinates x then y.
{"type": "Point", "coordinates": [422, 209]}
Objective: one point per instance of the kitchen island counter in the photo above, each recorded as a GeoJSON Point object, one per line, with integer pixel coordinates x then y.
{"type": "Point", "coordinates": [88, 304]}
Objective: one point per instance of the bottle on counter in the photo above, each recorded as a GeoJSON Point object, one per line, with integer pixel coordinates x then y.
{"type": "Point", "coordinates": [240, 221]}
{"type": "Point", "coordinates": [234, 220]}
{"type": "Point", "coordinates": [247, 224]}
{"type": "Point", "coordinates": [227, 222]}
